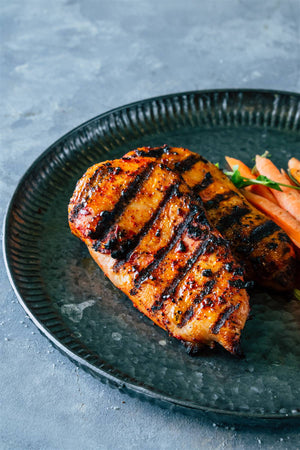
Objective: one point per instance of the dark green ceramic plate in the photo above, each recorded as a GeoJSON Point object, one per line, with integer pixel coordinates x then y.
{"type": "Point", "coordinates": [86, 317]}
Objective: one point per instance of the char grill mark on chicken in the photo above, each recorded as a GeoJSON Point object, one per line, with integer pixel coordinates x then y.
{"type": "Point", "coordinates": [257, 242]}
{"type": "Point", "coordinates": [150, 235]}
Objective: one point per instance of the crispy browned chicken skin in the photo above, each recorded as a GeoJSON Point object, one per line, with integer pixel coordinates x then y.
{"type": "Point", "coordinates": [256, 241]}
{"type": "Point", "coordinates": [151, 237]}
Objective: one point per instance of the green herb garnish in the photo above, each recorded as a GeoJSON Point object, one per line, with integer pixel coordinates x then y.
{"type": "Point", "coordinates": [240, 182]}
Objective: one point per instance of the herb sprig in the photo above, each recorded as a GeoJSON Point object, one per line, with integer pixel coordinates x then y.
{"type": "Point", "coordinates": [240, 182]}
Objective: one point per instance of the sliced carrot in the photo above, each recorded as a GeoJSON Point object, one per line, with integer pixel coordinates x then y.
{"type": "Point", "coordinates": [287, 222]}
{"type": "Point", "coordinates": [294, 163]}
{"type": "Point", "coordinates": [246, 172]}
{"type": "Point", "coordinates": [294, 169]}
{"type": "Point", "coordinates": [295, 176]}
{"type": "Point", "coordinates": [288, 180]}
{"type": "Point", "coordinates": [288, 198]}
{"type": "Point", "coordinates": [263, 191]}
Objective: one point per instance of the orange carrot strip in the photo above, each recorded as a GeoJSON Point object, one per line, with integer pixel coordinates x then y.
{"type": "Point", "coordinates": [289, 198]}
{"type": "Point", "coordinates": [287, 222]}
{"type": "Point", "coordinates": [263, 191]}
{"type": "Point", "coordinates": [294, 163]}
{"type": "Point", "coordinates": [246, 172]}
{"type": "Point", "coordinates": [294, 169]}
{"type": "Point", "coordinates": [288, 180]}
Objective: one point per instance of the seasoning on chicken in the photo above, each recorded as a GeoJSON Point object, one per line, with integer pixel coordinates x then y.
{"type": "Point", "coordinates": [151, 237]}
{"type": "Point", "coordinates": [257, 242]}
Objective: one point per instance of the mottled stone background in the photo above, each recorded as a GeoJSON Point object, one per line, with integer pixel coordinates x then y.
{"type": "Point", "coordinates": [63, 62]}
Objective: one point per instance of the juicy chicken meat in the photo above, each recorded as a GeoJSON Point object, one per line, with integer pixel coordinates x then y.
{"type": "Point", "coordinates": [256, 241]}
{"type": "Point", "coordinates": [151, 237]}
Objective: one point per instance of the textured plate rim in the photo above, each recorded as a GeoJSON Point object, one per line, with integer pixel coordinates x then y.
{"type": "Point", "coordinates": [128, 387]}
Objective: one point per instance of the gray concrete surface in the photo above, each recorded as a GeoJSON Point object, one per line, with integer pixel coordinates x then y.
{"type": "Point", "coordinates": [63, 62]}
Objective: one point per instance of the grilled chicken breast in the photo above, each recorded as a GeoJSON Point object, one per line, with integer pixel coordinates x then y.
{"type": "Point", "coordinates": [256, 241]}
{"type": "Point", "coordinates": [151, 237]}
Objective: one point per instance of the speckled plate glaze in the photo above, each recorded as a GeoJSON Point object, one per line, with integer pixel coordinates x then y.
{"type": "Point", "coordinates": [86, 317]}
